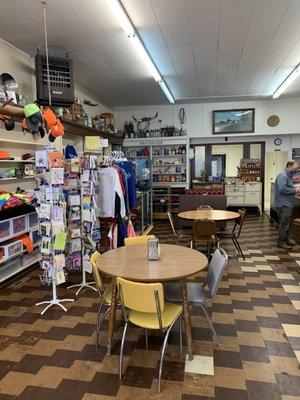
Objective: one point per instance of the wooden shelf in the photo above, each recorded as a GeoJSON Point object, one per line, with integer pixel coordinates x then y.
{"type": "Point", "coordinates": [5, 140]}
{"type": "Point", "coordinates": [75, 128]}
{"type": "Point", "coordinates": [18, 161]}
{"type": "Point", "coordinates": [17, 178]}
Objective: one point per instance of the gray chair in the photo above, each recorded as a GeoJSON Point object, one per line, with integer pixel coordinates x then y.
{"type": "Point", "coordinates": [197, 295]}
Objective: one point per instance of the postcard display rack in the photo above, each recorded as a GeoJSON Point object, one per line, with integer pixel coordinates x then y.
{"type": "Point", "coordinates": [89, 230]}
{"type": "Point", "coordinates": [51, 210]}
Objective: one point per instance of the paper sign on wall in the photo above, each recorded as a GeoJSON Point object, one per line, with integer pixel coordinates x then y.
{"type": "Point", "coordinates": [92, 143]}
{"type": "Point", "coordinates": [104, 142]}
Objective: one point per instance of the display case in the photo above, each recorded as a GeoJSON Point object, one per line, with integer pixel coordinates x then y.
{"type": "Point", "coordinates": [143, 217]}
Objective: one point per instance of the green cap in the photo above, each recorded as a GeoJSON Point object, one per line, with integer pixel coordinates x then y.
{"type": "Point", "coordinates": [31, 109]}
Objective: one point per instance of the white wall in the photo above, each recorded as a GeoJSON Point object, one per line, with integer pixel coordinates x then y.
{"type": "Point", "coordinates": [199, 121]}
{"type": "Point", "coordinates": [233, 153]}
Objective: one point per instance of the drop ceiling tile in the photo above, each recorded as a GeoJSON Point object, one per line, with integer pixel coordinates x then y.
{"type": "Point", "coordinates": [201, 10]}
{"type": "Point", "coordinates": [235, 7]}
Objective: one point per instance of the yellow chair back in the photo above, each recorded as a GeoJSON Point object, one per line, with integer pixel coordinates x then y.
{"type": "Point", "coordinates": [141, 296]}
{"type": "Point", "coordinates": [138, 240]}
{"type": "Point", "coordinates": [95, 257]}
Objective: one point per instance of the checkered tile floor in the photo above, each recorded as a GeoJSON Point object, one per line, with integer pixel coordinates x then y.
{"type": "Point", "coordinates": [255, 315]}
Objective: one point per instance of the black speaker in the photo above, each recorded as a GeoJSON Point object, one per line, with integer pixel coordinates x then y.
{"type": "Point", "coordinates": [61, 81]}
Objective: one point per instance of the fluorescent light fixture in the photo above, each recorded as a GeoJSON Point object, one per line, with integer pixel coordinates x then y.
{"type": "Point", "coordinates": [120, 14]}
{"type": "Point", "coordinates": [140, 49]}
{"type": "Point", "coordinates": [166, 91]}
{"type": "Point", "coordinates": [287, 82]}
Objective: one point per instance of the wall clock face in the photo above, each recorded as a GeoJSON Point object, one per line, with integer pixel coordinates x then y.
{"type": "Point", "coordinates": [273, 120]}
{"type": "Point", "coordinates": [277, 141]}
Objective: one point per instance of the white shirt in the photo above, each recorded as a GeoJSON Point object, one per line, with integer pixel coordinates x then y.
{"type": "Point", "coordinates": [109, 185]}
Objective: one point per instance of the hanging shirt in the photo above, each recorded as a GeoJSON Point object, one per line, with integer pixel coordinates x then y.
{"type": "Point", "coordinates": [131, 182]}
{"type": "Point", "coordinates": [109, 185]}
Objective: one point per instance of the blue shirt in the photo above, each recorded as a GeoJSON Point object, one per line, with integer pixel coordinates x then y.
{"type": "Point", "coordinates": [284, 190]}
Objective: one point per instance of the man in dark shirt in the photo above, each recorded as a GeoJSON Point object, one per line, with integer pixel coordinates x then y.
{"type": "Point", "coordinates": [284, 202]}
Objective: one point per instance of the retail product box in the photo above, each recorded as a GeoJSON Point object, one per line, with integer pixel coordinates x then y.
{"type": "Point", "coordinates": [11, 249]}
{"type": "Point", "coordinates": [28, 259]}
{"type": "Point", "coordinates": [35, 236]}
{"type": "Point", "coordinates": [19, 224]}
{"type": "Point", "coordinates": [32, 220]}
{"type": "Point", "coordinates": [9, 268]}
{"type": "Point", "coordinates": [5, 230]}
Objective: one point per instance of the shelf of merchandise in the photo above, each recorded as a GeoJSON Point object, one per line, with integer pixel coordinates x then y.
{"type": "Point", "coordinates": [17, 178]}
{"type": "Point", "coordinates": [18, 161]}
{"type": "Point", "coordinates": [3, 260]}
{"type": "Point", "coordinates": [5, 140]}
{"type": "Point", "coordinates": [179, 144]}
{"type": "Point", "coordinates": [9, 273]}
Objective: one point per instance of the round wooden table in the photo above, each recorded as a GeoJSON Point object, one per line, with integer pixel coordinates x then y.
{"type": "Point", "coordinates": [176, 263]}
{"type": "Point", "coordinates": [216, 215]}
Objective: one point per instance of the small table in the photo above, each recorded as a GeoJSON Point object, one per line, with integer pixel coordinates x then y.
{"type": "Point", "coordinates": [216, 215]}
{"type": "Point", "coordinates": [176, 263]}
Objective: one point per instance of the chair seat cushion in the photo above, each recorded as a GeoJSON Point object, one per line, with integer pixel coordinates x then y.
{"type": "Point", "coordinates": [195, 292]}
{"type": "Point", "coordinates": [150, 321]}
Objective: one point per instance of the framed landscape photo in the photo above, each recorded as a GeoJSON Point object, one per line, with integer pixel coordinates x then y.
{"type": "Point", "coordinates": [233, 121]}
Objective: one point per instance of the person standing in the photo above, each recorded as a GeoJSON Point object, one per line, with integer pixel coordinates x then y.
{"type": "Point", "coordinates": [284, 202]}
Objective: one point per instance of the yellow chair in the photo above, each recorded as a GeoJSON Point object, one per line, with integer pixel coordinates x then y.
{"type": "Point", "coordinates": [144, 306]}
{"type": "Point", "coordinates": [105, 293]}
{"type": "Point", "coordinates": [138, 240]}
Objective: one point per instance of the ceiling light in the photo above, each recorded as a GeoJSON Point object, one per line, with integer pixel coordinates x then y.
{"type": "Point", "coordinates": [127, 26]}
{"type": "Point", "coordinates": [166, 91]}
{"type": "Point", "coordinates": [287, 82]}
{"type": "Point", "coordinates": [121, 16]}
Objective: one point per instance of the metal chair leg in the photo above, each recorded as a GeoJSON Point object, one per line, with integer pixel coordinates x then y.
{"type": "Point", "coordinates": [215, 336]}
{"type": "Point", "coordinates": [180, 335]}
{"type": "Point", "coordinates": [239, 247]}
{"type": "Point", "coordinates": [235, 245]}
{"type": "Point", "coordinates": [99, 313]}
{"type": "Point", "coordinates": [99, 326]}
{"type": "Point", "coordinates": [122, 348]}
{"type": "Point", "coordinates": [162, 355]}
{"type": "Point", "coordinates": [146, 338]}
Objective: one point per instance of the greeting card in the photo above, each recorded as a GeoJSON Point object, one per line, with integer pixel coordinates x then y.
{"type": "Point", "coordinates": [56, 176]}
{"type": "Point", "coordinates": [59, 261]}
{"type": "Point", "coordinates": [55, 159]}
{"type": "Point", "coordinates": [45, 228]}
{"type": "Point", "coordinates": [46, 245]}
{"type": "Point", "coordinates": [57, 227]}
{"type": "Point", "coordinates": [41, 159]}
{"type": "Point", "coordinates": [44, 211]}
{"type": "Point", "coordinates": [60, 241]}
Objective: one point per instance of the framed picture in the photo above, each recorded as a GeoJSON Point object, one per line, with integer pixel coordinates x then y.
{"type": "Point", "coordinates": [233, 121]}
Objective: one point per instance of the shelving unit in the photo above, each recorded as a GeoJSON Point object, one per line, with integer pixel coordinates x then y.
{"type": "Point", "coordinates": [166, 157]}
{"type": "Point", "coordinates": [166, 199]}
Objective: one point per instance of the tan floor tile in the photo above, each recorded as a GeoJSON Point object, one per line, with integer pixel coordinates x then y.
{"type": "Point", "coordinates": [264, 267]}
{"type": "Point", "coordinates": [254, 251]}
{"type": "Point", "coordinates": [276, 291]}
{"type": "Point", "coordinates": [284, 308]}
{"type": "Point", "coordinates": [240, 296]}
{"type": "Point", "coordinates": [261, 294]}
{"type": "Point", "coordinates": [261, 259]}
{"type": "Point", "coordinates": [286, 365]}
{"type": "Point", "coordinates": [49, 377]}
{"type": "Point", "coordinates": [272, 257]}
{"type": "Point", "coordinates": [253, 279]}
{"type": "Point", "coordinates": [265, 311]}
{"type": "Point", "coordinates": [291, 330]}
{"type": "Point", "coordinates": [229, 343]}
{"type": "Point", "coordinates": [222, 299]}
{"type": "Point", "coordinates": [202, 348]}
{"type": "Point", "coordinates": [291, 288]}
{"type": "Point", "coordinates": [237, 282]}
{"type": "Point", "coordinates": [232, 378]}
{"type": "Point", "coordinates": [130, 393]}
{"type": "Point", "coordinates": [272, 334]}
{"type": "Point", "coordinates": [249, 269]}
{"type": "Point", "coordinates": [283, 397]}
{"type": "Point", "coordinates": [91, 396]}
{"type": "Point", "coordinates": [110, 365]}
{"type": "Point", "coordinates": [296, 304]}
{"type": "Point", "coordinates": [247, 260]}
{"type": "Point", "coordinates": [222, 318]}
{"type": "Point", "coordinates": [250, 339]}
{"type": "Point", "coordinates": [170, 390]}
{"type": "Point", "coordinates": [15, 382]}
{"type": "Point", "coordinates": [259, 372]}
{"type": "Point", "coordinates": [284, 275]}
{"type": "Point", "coordinates": [201, 385]}
{"type": "Point", "coordinates": [144, 358]}
{"type": "Point", "coordinates": [247, 315]}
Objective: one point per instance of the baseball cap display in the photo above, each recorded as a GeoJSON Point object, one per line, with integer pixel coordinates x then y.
{"type": "Point", "coordinates": [33, 118]}
{"type": "Point", "coordinates": [55, 127]}
{"type": "Point", "coordinates": [4, 155]}
{"type": "Point", "coordinates": [9, 122]}
{"type": "Point", "coordinates": [27, 156]}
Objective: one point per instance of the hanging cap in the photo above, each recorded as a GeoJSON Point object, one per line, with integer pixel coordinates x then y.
{"type": "Point", "coordinates": [70, 152]}
{"type": "Point", "coordinates": [31, 109]}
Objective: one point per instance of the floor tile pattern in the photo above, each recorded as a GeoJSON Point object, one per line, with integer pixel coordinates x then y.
{"type": "Point", "coordinates": [256, 315]}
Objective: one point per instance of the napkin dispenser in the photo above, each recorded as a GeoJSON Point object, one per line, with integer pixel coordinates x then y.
{"type": "Point", "coordinates": [153, 249]}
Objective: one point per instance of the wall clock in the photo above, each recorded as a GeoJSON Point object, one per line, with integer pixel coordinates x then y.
{"type": "Point", "coordinates": [277, 141]}
{"type": "Point", "coordinates": [273, 120]}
